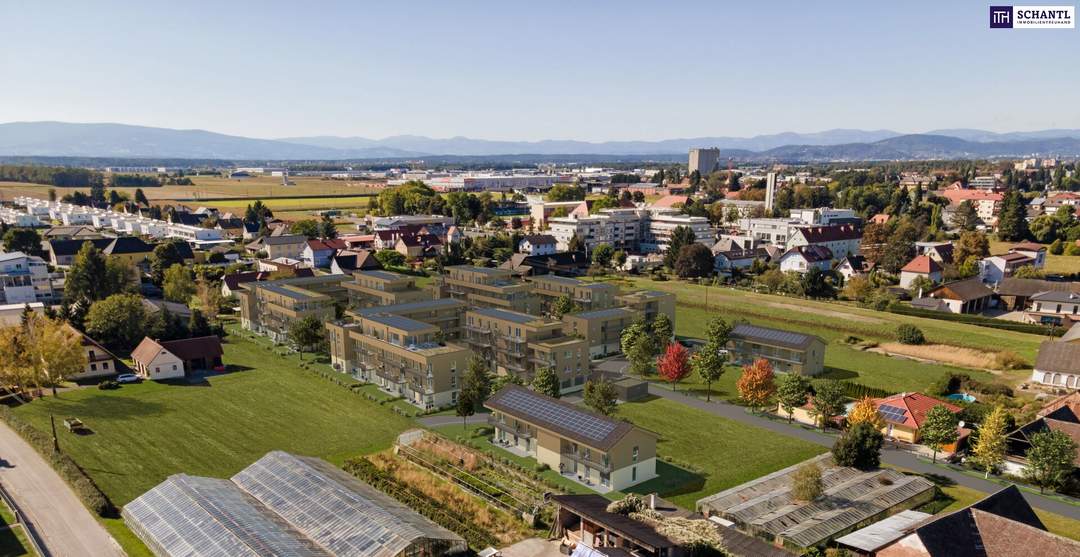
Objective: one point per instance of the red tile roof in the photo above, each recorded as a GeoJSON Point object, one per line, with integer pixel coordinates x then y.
{"type": "Point", "coordinates": [957, 196]}
{"type": "Point", "coordinates": [670, 201]}
{"type": "Point", "coordinates": [923, 265]}
{"type": "Point", "coordinates": [915, 407]}
{"type": "Point", "coordinates": [831, 233]}
{"type": "Point", "coordinates": [326, 245]}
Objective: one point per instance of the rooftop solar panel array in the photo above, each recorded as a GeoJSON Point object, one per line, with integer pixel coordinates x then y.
{"type": "Point", "coordinates": [765, 334]}
{"type": "Point", "coordinates": [892, 413]}
{"type": "Point", "coordinates": [587, 425]}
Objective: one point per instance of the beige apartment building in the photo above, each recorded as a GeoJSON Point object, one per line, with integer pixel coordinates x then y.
{"type": "Point", "coordinates": [601, 452]}
{"type": "Point", "coordinates": [269, 308]}
{"type": "Point", "coordinates": [447, 314]}
{"type": "Point", "coordinates": [383, 288]}
{"type": "Point", "coordinates": [484, 287]}
{"type": "Point", "coordinates": [587, 295]}
{"type": "Point", "coordinates": [402, 356]}
{"type": "Point", "coordinates": [649, 303]}
{"type": "Point", "coordinates": [520, 344]}
{"type": "Point", "coordinates": [600, 328]}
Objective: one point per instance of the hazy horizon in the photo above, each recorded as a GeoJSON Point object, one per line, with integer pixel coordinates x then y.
{"type": "Point", "coordinates": [603, 71]}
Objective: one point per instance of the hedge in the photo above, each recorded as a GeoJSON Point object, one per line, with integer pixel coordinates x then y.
{"type": "Point", "coordinates": [859, 391]}
{"type": "Point", "coordinates": [64, 465]}
{"type": "Point", "coordinates": [979, 320]}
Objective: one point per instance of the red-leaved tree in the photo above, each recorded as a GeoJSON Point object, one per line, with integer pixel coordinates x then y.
{"type": "Point", "coordinates": [674, 364]}
{"type": "Point", "coordinates": [756, 384]}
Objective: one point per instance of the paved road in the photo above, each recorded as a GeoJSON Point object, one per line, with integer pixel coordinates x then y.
{"type": "Point", "coordinates": [52, 507]}
{"type": "Point", "coordinates": [891, 456]}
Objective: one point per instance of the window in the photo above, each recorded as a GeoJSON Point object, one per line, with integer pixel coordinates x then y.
{"type": "Point", "coordinates": [93, 367]}
{"type": "Point", "coordinates": [105, 365]}
{"type": "Point", "coordinates": [635, 454]}
{"type": "Point", "coordinates": [633, 474]}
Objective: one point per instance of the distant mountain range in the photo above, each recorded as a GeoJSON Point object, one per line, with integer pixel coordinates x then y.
{"type": "Point", "coordinates": [60, 139]}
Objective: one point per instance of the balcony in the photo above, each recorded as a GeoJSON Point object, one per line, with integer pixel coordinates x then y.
{"type": "Point", "coordinates": [580, 459]}
{"type": "Point", "coordinates": [510, 430]}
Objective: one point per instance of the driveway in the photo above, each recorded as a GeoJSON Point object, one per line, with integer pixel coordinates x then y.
{"type": "Point", "coordinates": [891, 456]}
{"type": "Point", "coordinates": [66, 526]}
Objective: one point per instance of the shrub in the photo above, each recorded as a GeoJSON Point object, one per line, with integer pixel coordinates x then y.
{"type": "Point", "coordinates": [907, 333]}
{"type": "Point", "coordinates": [542, 468]}
{"type": "Point", "coordinates": [108, 385]}
{"type": "Point", "coordinates": [859, 447]}
{"type": "Point", "coordinates": [1009, 360]}
{"type": "Point", "coordinates": [1073, 249]}
{"type": "Point", "coordinates": [806, 483]}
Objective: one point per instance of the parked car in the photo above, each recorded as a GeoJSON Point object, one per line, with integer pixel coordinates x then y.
{"type": "Point", "coordinates": [127, 378]}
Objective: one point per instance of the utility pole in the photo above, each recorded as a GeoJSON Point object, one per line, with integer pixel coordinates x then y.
{"type": "Point", "coordinates": [55, 440]}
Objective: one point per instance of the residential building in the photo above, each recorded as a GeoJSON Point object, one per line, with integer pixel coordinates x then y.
{"type": "Point", "coordinates": [801, 259]}
{"type": "Point", "coordinates": [416, 246]}
{"type": "Point", "coordinates": [100, 362]}
{"type": "Point", "coordinates": [447, 314]}
{"type": "Point", "coordinates": [601, 328]}
{"type": "Point", "coordinates": [596, 450]}
{"type": "Point", "coordinates": [942, 252]}
{"type": "Point", "coordinates": [841, 239]}
{"type": "Point", "coordinates": [922, 266]}
{"type": "Point", "coordinates": [486, 287]}
{"type": "Point", "coordinates": [270, 307]}
{"type": "Point", "coordinates": [383, 288]}
{"type": "Point", "coordinates": [703, 161]}
{"type": "Point", "coordinates": [905, 413]}
{"type": "Point", "coordinates": [987, 203]}
{"type": "Point", "coordinates": [174, 359]}
{"type": "Point", "coordinates": [538, 244]}
{"type": "Point", "coordinates": [540, 212]}
{"type": "Point", "coordinates": [1054, 308]}
{"type": "Point", "coordinates": [565, 263]}
{"type": "Point", "coordinates": [403, 356]}
{"type": "Point", "coordinates": [1000, 525]}
{"type": "Point", "coordinates": [787, 351]}
{"type": "Point", "coordinates": [619, 228]}
{"type": "Point", "coordinates": [1061, 414]}
{"type": "Point", "coordinates": [1015, 293]}
{"type": "Point", "coordinates": [649, 303]}
{"type": "Point", "coordinates": [519, 344]}
{"type": "Point", "coordinates": [853, 266]}
{"type": "Point", "coordinates": [290, 246]}
{"type": "Point", "coordinates": [349, 260]}
{"type": "Point", "coordinates": [25, 279]}
{"type": "Point", "coordinates": [660, 225]}
{"type": "Point", "coordinates": [995, 268]}
{"type": "Point", "coordinates": [319, 253]}
{"type": "Point", "coordinates": [586, 295]}
{"type": "Point", "coordinates": [961, 296]}
{"type": "Point", "coordinates": [1057, 365]}
{"type": "Point", "coordinates": [11, 314]}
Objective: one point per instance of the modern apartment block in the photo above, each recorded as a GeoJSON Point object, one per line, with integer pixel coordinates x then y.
{"type": "Point", "coordinates": [661, 224]}
{"type": "Point", "coordinates": [601, 452]}
{"type": "Point", "coordinates": [403, 356]}
{"type": "Point", "coordinates": [447, 314]}
{"type": "Point", "coordinates": [649, 303]}
{"type": "Point", "coordinates": [270, 307]}
{"type": "Point", "coordinates": [588, 295]}
{"type": "Point", "coordinates": [519, 344]}
{"type": "Point", "coordinates": [787, 351]}
{"type": "Point", "coordinates": [485, 287]}
{"type": "Point", "coordinates": [620, 228]}
{"type": "Point", "coordinates": [601, 328]}
{"type": "Point", "coordinates": [383, 288]}
{"type": "Point", "coordinates": [25, 279]}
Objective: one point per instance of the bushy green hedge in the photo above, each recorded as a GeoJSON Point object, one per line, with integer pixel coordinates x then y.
{"type": "Point", "coordinates": [64, 465]}
{"type": "Point", "coordinates": [858, 391]}
{"type": "Point", "coordinates": [971, 319]}
{"type": "Point", "coordinates": [907, 333]}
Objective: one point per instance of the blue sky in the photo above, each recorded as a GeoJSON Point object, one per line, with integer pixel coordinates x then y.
{"type": "Point", "coordinates": [589, 70]}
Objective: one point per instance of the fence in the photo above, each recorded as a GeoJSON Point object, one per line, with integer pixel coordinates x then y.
{"type": "Point", "coordinates": [27, 526]}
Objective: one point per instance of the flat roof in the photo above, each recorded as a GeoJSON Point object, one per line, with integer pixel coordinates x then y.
{"type": "Point", "coordinates": [508, 315]}
{"type": "Point", "coordinates": [409, 307]}
{"type": "Point", "coordinates": [605, 313]}
{"type": "Point", "coordinates": [384, 275]}
{"type": "Point", "coordinates": [490, 271]}
{"type": "Point", "coordinates": [293, 291]}
{"type": "Point", "coordinates": [398, 322]}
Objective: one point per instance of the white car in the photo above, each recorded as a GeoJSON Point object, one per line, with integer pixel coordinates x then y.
{"type": "Point", "coordinates": [127, 378]}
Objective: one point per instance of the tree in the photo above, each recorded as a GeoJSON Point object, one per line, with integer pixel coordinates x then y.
{"type": "Point", "coordinates": [806, 484]}
{"type": "Point", "coordinates": [86, 278]}
{"type": "Point", "coordinates": [198, 326]}
{"type": "Point", "coordinates": [54, 350]}
{"type": "Point", "coordinates": [859, 447]}
{"type": "Point", "coordinates": [602, 255]}
{"type": "Point", "coordinates": [709, 361]}
{"type": "Point", "coordinates": [1051, 459]}
{"type": "Point", "coordinates": [989, 451]}
{"type": "Point", "coordinates": [791, 392]}
{"type": "Point", "coordinates": [327, 229]}
{"type": "Point", "coordinates": [565, 192]}
{"type": "Point", "coordinates": [546, 382]}
{"type": "Point", "coordinates": [26, 240]}
{"type": "Point", "coordinates": [178, 284]}
{"type": "Point", "coordinates": [815, 284]}
{"type": "Point", "coordinates": [257, 213]}
{"type": "Point", "coordinates": [306, 227]}
{"type": "Point", "coordinates": [939, 429]}
{"type": "Point", "coordinates": [390, 258]}
{"type": "Point", "coordinates": [858, 288]}
{"type": "Point", "coordinates": [465, 407]}
{"type": "Point", "coordinates": [563, 305]}
{"type": "Point", "coordinates": [971, 244]}
{"type": "Point", "coordinates": [906, 333]}
{"type": "Point", "coordinates": [600, 396]}
{"type": "Point", "coordinates": [477, 381]}
{"type": "Point", "coordinates": [662, 331]}
{"type": "Point", "coordinates": [674, 365]}
{"type": "Point", "coordinates": [165, 255]}
{"type": "Point", "coordinates": [756, 385]}
{"type": "Point", "coordinates": [1012, 218]}
{"type": "Point", "coordinates": [305, 333]}
{"type": "Point", "coordinates": [637, 346]}
{"type": "Point", "coordinates": [140, 198]}
{"type": "Point", "coordinates": [680, 236]}
{"type": "Point", "coordinates": [865, 412]}
{"type": "Point", "coordinates": [966, 217]}
{"type": "Point", "coordinates": [619, 259]}
{"type": "Point", "coordinates": [209, 296]}
{"type": "Point", "coordinates": [117, 321]}
{"type": "Point", "coordinates": [828, 401]}
{"type": "Point", "coordinates": [694, 260]}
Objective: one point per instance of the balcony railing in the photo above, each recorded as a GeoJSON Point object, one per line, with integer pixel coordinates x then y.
{"type": "Point", "coordinates": [579, 458]}
{"type": "Point", "coordinates": [520, 431]}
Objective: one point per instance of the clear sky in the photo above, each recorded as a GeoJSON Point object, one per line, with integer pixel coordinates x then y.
{"type": "Point", "coordinates": [584, 69]}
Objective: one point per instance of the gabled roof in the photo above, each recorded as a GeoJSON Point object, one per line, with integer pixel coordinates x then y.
{"type": "Point", "coordinates": [146, 351]}
{"type": "Point", "coordinates": [235, 279]}
{"type": "Point", "coordinates": [922, 265]}
{"type": "Point", "coordinates": [670, 201]}
{"type": "Point", "coordinates": [775, 337]}
{"type": "Point", "coordinates": [568, 420]}
{"type": "Point", "coordinates": [1057, 356]}
{"type": "Point", "coordinates": [63, 248]}
{"type": "Point", "coordinates": [594, 509]}
{"type": "Point", "coordinates": [1056, 296]}
{"type": "Point", "coordinates": [962, 290]}
{"type": "Point", "coordinates": [128, 244]}
{"type": "Point", "coordinates": [357, 260]}
{"type": "Point", "coordinates": [284, 239]}
{"type": "Point", "coordinates": [1013, 257]}
{"type": "Point", "coordinates": [945, 251]}
{"type": "Point", "coordinates": [812, 253]}
{"type": "Point", "coordinates": [831, 233]}
{"type": "Point", "coordinates": [1027, 246]}
{"type": "Point", "coordinates": [197, 347]}
{"type": "Point", "coordinates": [539, 239]}
{"type": "Point", "coordinates": [329, 244]}
{"type": "Point", "coordinates": [911, 408]}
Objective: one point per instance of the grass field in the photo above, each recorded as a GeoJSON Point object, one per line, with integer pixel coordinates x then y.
{"type": "Point", "coordinates": [13, 541]}
{"type": "Point", "coordinates": [143, 433]}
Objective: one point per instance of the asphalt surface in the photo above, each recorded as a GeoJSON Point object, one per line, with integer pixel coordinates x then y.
{"type": "Point", "coordinates": [65, 524]}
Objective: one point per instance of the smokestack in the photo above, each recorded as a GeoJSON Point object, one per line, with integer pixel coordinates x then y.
{"type": "Point", "coordinates": [770, 190]}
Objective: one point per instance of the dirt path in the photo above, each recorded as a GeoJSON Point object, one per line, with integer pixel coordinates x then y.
{"type": "Point", "coordinates": [66, 525]}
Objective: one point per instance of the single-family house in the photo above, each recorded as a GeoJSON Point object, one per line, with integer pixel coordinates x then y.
{"type": "Point", "coordinates": [995, 268]}
{"type": "Point", "coordinates": [414, 246]}
{"type": "Point", "coordinates": [1057, 365]}
{"type": "Point", "coordinates": [942, 252]}
{"type": "Point", "coordinates": [1062, 414]}
{"type": "Point", "coordinates": [1056, 307]}
{"type": "Point", "coordinates": [1016, 293]}
{"type": "Point", "coordinates": [537, 244]}
{"type": "Point", "coordinates": [921, 266]}
{"type": "Point", "coordinates": [905, 413]}
{"type": "Point", "coordinates": [99, 361]}
{"type": "Point", "coordinates": [174, 359]}
{"type": "Point", "coordinates": [349, 260]}
{"type": "Point", "coordinates": [961, 296]}
{"type": "Point", "coordinates": [318, 253]}
{"type": "Point", "coordinates": [853, 266]}
{"type": "Point", "coordinates": [728, 261]}
{"type": "Point", "coordinates": [801, 259]}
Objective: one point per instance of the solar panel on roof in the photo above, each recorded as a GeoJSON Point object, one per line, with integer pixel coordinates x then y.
{"type": "Point", "coordinates": [892, 413]}
{"type": "Point", "coordinates": [775, 335]}
{"type": "Point", "coordinates": [587, 425]}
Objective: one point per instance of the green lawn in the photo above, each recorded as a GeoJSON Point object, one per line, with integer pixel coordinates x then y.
{"type": "Point", "coordinates": [13, 541]}
{"type": "Point", "coordinates": [143, 433]}
{"type": "Point", "coordinates": [725, 452]}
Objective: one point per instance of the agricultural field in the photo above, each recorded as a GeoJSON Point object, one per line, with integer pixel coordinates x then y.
{"type": "Point", "coordinates": [142, 433]}
{"type": "Point", "coordinates": [835, 322]}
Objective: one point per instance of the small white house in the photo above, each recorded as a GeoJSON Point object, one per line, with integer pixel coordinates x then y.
{"type": "Point", "coordinates": [153, 361]}
{"type": "Point", "coordinates": [921, 266]}
{"type": "Point", "coordinates": [538, 244]}
{"type": "Point", "coordinates": [801, 259]}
